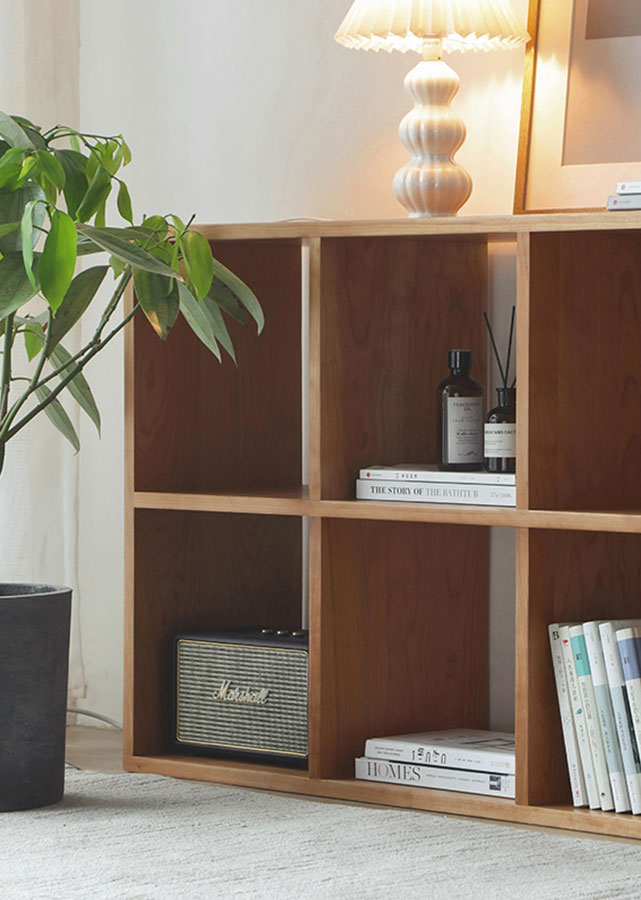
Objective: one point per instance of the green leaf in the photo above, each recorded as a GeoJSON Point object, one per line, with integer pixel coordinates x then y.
{"type": "Point", "coordinates": [9, 228]}
{"type": "Point", "coordinates": [50, 167]}
{"type": "Point", "coordinates": [15, 287]}
{"type": "Point", "coordinates": [129, 253]}
{"type": "Point", "coordinates": [158, 298]}
{"type": "Point", "coordinates": [33, 339]}
{"type": "Point", "coordinates": [96, 195]}
{"type": "Point", "coordinates": [74, 166]}
{"type": "Point", "coordinates": [124, 203]}
{"type": "Point", "coordinates": [157, 225]}
{"type": "Point", "coordinates": [218, 326]}
{"type": "Point", "coordinates": [199, 261]}
{"type": "Point", "coordinates": [10, 165]}
{"type": "Point", "coordinates": [28, 240]}
{"type": "Point", "coordinates": [29, 164]}
{"type": "Point", "coordinates": [197, 319]}
{"type": "Point", "coordinates": [153, 291]}
{"type": "Point", "coordinates": [78, 387]}
{"type": "Point", "coordinates": [12, 206]}
{"type": "Point", "coordinates": [126, 152]}
{"type": "Point", "coordinates": [240, 290]}
{"type": "Point", "coordinates": [56, 414]}
{"type": "Point", "coordinates": [58, 260]}
{"type": "Point", "coordinates": [13, 133]}
{"type": "Point", "coordinates": [227, 300]}
{"type": "Point", "coordinates": [81, 292]}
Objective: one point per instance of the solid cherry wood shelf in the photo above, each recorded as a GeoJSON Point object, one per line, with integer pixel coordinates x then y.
{"type": "Point", "coordinates": [398, 593]}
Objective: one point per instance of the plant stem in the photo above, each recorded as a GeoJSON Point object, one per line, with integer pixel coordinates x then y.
{"type": "Point", "coordinates": [63, 384]}
{"type": "Point", "coordinates": [6, 366]}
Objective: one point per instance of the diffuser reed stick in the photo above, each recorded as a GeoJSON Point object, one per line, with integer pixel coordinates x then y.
{"type": "Point", "coordinates": [505, 373]}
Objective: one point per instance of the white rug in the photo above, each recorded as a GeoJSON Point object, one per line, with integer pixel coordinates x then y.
{"type": "Point", "coordinates": [142, 836]}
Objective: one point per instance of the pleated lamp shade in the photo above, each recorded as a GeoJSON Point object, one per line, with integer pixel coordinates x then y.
{"type": "Point", "coordinates": [407, 24]}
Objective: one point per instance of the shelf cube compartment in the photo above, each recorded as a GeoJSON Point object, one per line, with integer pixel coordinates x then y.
{"type": "Point", "coordinates": [203, 426]}
{"type": "Point", "coordinates": [201, 572]}
{"type": "Point", "coordinates": [389, 310]}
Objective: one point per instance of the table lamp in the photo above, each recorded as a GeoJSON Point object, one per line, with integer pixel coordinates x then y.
{"type": "Point", "coordinates": [432, 183]}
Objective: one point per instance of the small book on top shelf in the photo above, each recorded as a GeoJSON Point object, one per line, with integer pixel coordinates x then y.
{"type": "Point", "coordinates": [431, 473]}
{"type": "Point", "coordinates": [464, 759]}
{"type": "Point", "coordinates": [412, 483]}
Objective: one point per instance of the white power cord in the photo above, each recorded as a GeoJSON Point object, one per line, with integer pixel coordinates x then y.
{"type": "Point", "coordinates": [86, 712]}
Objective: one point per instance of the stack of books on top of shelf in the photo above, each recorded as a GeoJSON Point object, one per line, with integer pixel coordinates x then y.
{"type": "Point", "coordinates": [464, 759]}
{"type": "Point", "coordinates": [428, 484]}
{"type": "Point", "coordinates": [628, 196]}
{"type": "Point", "coordinates": [597, 669]}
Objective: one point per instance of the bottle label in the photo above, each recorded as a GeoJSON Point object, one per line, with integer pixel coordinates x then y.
{"type": "Point", "coordinates": [500, 440]}
{"type": "Point", "coordinates": [464, 430]}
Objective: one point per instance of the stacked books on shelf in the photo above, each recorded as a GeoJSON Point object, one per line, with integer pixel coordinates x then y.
{"type": "Point", "coordinates": [427, 484]}
{"type": "Point", "coordinates": [464, 759]}
{"type": "Point", "coordinates": [628, 196]}
{"type": "Point", "coordinates": [597, 669]}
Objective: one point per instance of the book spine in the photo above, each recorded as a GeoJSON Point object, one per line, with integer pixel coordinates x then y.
{"type": "Point", "coordinates": [622, 714]}
{"type": "Point", "coordinates": [490, 784]}
{"type": "Point", "coordinates": [473, 494]}
{"type": "Point", "coordinates": [439, 756]}
{"type": "Point", "coordinates": [433, 476]}
{"type": "Point", "coordinates": [586, 690]}
{"type": "Point", "coordinates": [628, 187]}
{"type": "Point", "coordinates": [579, 719]}
{"type": "Point", "coordinates": [630, 201]}
{"type": "Point", "coordinates": [575, 770]}
{"type": "Point", "coordinates": [605, 715]}
{"type": "Point", "coordinates": [629, 646]}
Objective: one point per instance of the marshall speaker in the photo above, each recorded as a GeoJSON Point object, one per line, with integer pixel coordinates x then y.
{"type": "Point", "coordinates": [243, 692]}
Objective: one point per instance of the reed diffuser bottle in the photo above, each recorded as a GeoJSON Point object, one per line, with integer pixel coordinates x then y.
{"type": "Point", "coordinates": [460, 401]}
{"type": "Point", "coordinates": [500, 433]}
{"type": "Point", "coordinates": [499, 437]}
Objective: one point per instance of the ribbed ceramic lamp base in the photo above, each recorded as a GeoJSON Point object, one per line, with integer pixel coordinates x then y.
{"type": "Point", "coordinates": [432, 183]}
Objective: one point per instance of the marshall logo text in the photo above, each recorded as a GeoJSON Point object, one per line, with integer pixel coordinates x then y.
{"type": "Point", "coordinates": [239, 695]}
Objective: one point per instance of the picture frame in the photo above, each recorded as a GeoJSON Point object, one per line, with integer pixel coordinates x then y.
{"type": "Point", "coordinates": [571, 152]}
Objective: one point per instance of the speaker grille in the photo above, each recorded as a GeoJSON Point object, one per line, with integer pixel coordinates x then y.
{"type": "Point", "coordinates": [242, 697]}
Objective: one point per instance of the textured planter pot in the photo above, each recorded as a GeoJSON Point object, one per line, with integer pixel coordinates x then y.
{"type": "Point", "coordinates": [34, 663]}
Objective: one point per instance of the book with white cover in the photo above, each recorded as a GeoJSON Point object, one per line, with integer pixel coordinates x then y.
{"type": "Point", "coordinates": [413, 472]}
{"type": "Point", "coordinates": [629, 644]}
{"type": "Point", "coordinates": [458, 748]}
{"type": "Point", "coordinates": [613, 756]}
{"type": "Point", "coordinates": [625, 201]}
{"type": "Point", "coordinates": [575, 770]}
{"type": "Point", "coordinates": [491, 784]}
{"type": "Point", "coordinates": [584, 677]}
{"type": "Point", "coordinates": [622, 714]}
{"type": "Point", "coordinates": [426, 492]}
{"type": "Point", "coordinates": [628, 187]}
{"type": "Point", "coordinates": [576, 705]}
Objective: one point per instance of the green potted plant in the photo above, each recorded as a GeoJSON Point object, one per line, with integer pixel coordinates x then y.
{"type": "Point", "coordinates": [54, 189]}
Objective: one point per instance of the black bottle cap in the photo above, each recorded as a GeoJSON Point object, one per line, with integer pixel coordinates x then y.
{"type": "Point", "coordinates": [507, 396]}
{"type": "Point", "coordinates": [460, 359]}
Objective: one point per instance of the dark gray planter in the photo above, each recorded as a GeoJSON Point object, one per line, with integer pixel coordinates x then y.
{"type": "Point", "coordinates": [34, 665]}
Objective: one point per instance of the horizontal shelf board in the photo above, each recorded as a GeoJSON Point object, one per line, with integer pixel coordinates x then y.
{"type": "Point", "coordinates": [496, 227]}
{"type": "Point", "coordinates": [298, 503]}
{"type": "Point", "coordinates": [254, 775]}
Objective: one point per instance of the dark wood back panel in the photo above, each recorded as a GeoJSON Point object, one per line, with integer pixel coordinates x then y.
{"type": "Point", "coordinates": [390, 310]}
{"type": "Point", "coordinates": [401, 641]}
{"type": "Point", "coordinates": [585, 370]}
{"type": "Point", "coordinates": [198, 572]}
{"type": "Point", "coordinates": [203, 426]}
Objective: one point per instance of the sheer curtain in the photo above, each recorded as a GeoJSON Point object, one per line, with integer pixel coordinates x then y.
{"type": "Point", "coordinates": [39, 484]}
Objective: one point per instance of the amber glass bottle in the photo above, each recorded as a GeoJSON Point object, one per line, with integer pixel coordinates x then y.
{"type": "Point", "coordinates": [500, 433]}
{"type": "Point", "coordinates": [460, 404]}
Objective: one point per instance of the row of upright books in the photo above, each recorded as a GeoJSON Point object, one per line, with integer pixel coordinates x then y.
{"type": "Point", "coordinates": [465, 759]}
{"type": "Point", "coordinates": [597, 669]}
{"type": "Point", "coordinates": [428, 484]}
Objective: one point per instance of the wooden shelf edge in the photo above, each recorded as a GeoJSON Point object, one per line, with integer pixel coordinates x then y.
{"type": "Point", "coordinates": [298, 504]}
{"type": "Point", "coordinates": [499, 226]}
{"type": "Point", "coordinates": [497, 809]}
